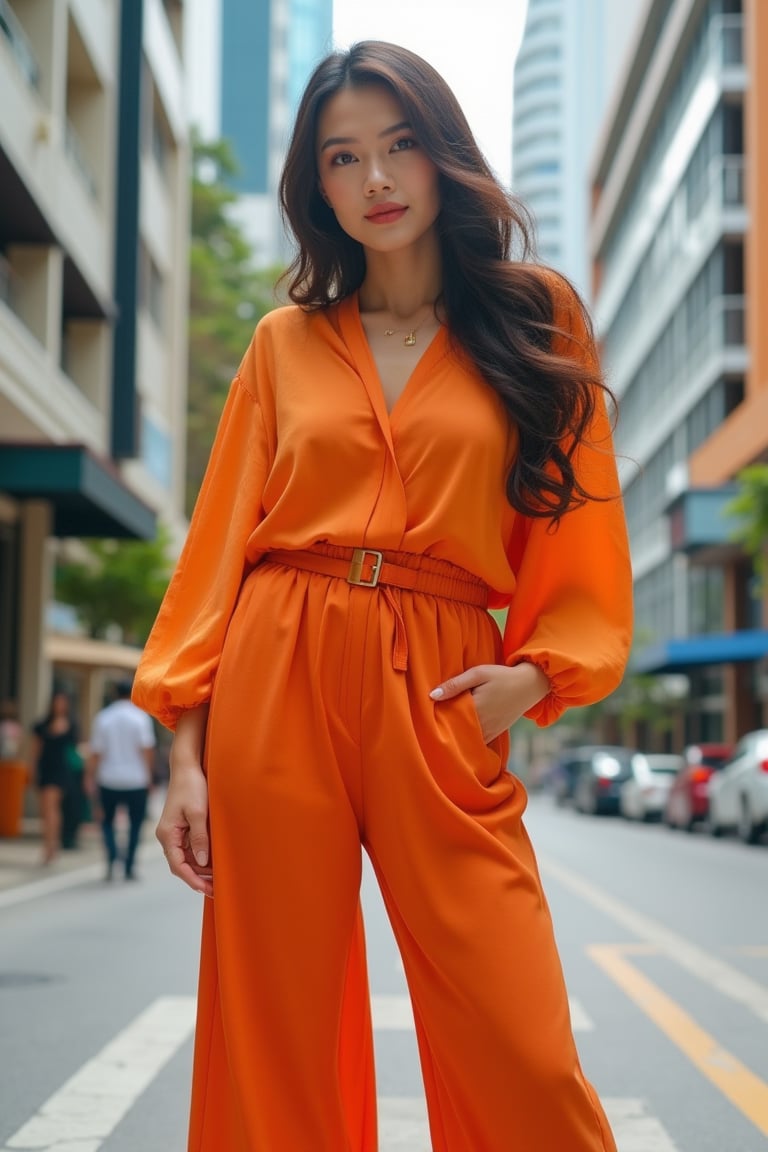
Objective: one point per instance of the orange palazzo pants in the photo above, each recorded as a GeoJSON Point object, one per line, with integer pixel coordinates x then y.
{"type": "Point", "coordinates": [322, 738]}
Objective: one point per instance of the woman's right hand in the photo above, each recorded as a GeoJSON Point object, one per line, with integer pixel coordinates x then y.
{"type": "Point", "coordinates": [183, 828]}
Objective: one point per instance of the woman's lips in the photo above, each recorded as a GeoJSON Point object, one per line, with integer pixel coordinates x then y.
{"type": "Point", "coordinates": [386, 214]}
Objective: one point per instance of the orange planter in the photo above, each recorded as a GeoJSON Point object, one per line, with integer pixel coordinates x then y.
{"type": "Point", "coordinates": [13, 783]}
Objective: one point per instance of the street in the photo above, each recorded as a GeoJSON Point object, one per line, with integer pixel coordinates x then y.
{"type": "Point", "coordinates": [664, 942]}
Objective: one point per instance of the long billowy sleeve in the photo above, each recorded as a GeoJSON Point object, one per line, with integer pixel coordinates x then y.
{"type": "Point", "coordinates": [571, 613]}
{"type": "Point", "coordinates": [179, 663]}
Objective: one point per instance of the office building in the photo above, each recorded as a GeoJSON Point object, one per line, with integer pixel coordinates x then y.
{"type": "Point", "coordinates": [268, 50]}
{"type": "Point", "coordinates": [680, 242]}
{"type": "Point", "coordinates": [569, 60]}
{"type": "Point", "coordinates": [93, 297]}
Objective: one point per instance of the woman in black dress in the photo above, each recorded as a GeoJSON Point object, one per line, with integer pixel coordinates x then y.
{"type": "Point", "coordinates": [55, 738]}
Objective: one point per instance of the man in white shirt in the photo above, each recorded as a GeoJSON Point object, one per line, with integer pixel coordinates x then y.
{"type": "Point", "coordinates": [121, 758]}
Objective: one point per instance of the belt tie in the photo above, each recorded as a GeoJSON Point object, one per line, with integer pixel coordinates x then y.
{"type": "Point", "coordinates": [400, 642]}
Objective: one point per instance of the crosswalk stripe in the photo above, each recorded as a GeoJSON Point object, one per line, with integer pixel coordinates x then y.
{"type": "Point", "coordinates": [634, 1129]}
{"type": "Point", "coordinates": [580, 1021]}
{"type": "Point", "coordinates": [83, 1112]}
{"type": "Point", "coordinates": [403, 1126]}
{"type": "Point", "coordinates": [393, 1013]}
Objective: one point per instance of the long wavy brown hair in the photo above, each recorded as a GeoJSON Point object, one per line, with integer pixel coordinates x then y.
{"type": "Point", "coordinates": [497, 304]}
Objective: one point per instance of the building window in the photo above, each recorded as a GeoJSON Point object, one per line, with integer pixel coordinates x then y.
{"type": "Point", "coordinates": [152, 288]}
{"type": "Point", "coordinates": [706, 599]}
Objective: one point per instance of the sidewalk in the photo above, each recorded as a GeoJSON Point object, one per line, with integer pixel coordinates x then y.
{"type": "Point", "coordinates": [21, 856]}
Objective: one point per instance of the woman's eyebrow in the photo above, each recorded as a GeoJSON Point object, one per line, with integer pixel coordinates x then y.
{"type": "Point", "coordinates": [334, 141]}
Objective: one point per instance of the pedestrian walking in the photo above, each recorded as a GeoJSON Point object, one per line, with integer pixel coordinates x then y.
{"type": "Point", "coordinates": [55, 757]}
{"type": "Point", "coordinates": [120, 765]}
{"type": "Point", "coordinates": [423, 434]}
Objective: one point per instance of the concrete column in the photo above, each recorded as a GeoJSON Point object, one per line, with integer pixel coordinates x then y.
{"type": "Point", "coordinates": [38, 292]}
{"type": "Point", "coordinates": [35, 592]}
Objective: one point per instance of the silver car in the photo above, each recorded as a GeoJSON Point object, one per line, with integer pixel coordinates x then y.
{"type": "Point", "coordinates": [738, 795]}
{"type": "Point", "coordinates": [644, 795]}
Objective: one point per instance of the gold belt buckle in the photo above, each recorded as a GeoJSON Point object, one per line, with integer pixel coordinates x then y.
{"type": "Point", "coordinates": [361, 556]}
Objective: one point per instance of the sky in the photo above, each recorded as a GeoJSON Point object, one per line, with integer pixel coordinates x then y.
{"type": "Point", "coordinates": [473, 43]}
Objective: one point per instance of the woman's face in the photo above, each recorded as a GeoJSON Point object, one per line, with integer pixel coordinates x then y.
{"type": "Point", "coordinates": [60, 704]}
{"type": "Point", "coordinates": [381, 185]}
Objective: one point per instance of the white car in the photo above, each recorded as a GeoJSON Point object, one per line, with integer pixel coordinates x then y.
{"type": "Point", "coordinates": [644, 795]}
{"type": "Point", "coordinates": [738, 794]}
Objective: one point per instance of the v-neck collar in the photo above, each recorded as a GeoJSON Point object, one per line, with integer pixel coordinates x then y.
{"type": "Point", "coordinates": [356, 340]}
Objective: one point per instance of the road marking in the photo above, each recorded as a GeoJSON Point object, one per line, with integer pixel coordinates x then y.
{"type": "Point", "coordinates": [403, 1125]}
{"type": "Point", "coordinates": [634, 1129]}
{"type": "Point", "coordinates": [36, 888]}
{"type": "Point", "coordinates": [721, 976]}
{"type": "Point", "coordinates": [760, 950]}
{"type": "Point", "coordinates": [394, 1014]}
{"type": "Point", "coordinates": [87, 1109]}
{"type": "Point", "coordinates": [741, 1086]}
{"type": "Point", "coordinates": [580, 1021]}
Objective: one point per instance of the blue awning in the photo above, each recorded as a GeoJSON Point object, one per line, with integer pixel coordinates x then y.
{"type": "Point", "coordinates": [691, 651]}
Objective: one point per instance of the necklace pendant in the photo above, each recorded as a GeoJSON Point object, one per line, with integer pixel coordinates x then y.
{"type": "Point", "coordinates": [389, 331]}
{"type": "Point", "coordinates": [410, 339]}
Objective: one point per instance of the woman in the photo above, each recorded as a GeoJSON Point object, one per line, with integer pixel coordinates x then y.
{"type": "Point", "coordinates": [423, 434]}
{"type": "Point", "coordinates": [54, 743]}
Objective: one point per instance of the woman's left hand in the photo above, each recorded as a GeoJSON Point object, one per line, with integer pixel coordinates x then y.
{"type": "Point", "coordinates": [501, 695]}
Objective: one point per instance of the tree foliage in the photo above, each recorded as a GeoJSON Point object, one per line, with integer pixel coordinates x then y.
{"type": "Point", "coordinates": [750, 509]}
{"type": "Point", "coordinates": [118, 583]}
{"type": "Point", "coordinates": [228, 296]}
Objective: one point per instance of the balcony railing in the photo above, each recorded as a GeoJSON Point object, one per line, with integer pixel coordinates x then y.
{"type": "Point", "coordinates": [721, 187]}
{"type": "Point", "coordinates": [76, 153]}
{"type": "Point", "coordinates": [728, 40]}
{"type": "Point", "coordinates": [16, 37]}
{"type": "Point", "coordinates": [722, 325]}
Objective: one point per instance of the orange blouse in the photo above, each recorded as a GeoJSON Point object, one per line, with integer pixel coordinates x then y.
{"type": "Point", "coordinates": [306, 451]}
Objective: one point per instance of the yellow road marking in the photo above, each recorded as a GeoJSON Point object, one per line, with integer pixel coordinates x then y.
{"type": "Point", "coordinates": [741, 1086]}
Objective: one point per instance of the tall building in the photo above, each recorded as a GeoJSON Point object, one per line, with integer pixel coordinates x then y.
{"type": "Point", "coordinates": [268, 49]}
{"type": "Point", "coordinates": [680, 241]}
{"type": "Point", "coordinates": [93, 296]}
{"type": "Point", "coordinates": [568, 63]}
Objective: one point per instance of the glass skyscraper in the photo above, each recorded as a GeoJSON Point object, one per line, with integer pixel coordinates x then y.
{"type": "Point", "coordinates": [268, 48]}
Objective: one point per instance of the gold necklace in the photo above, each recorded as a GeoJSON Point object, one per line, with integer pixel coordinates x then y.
{"type": "Point", "coordinates": [410, 338]}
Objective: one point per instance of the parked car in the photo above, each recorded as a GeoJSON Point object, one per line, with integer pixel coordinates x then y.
{"type": "Point", "coordinates": [598, 771]}
{"type": "Point", "coordinates": [738, 795]}
{"type": "Point", "coordinates": [688, 800]}
{"type": "Point", "coordinates": [643, 796]}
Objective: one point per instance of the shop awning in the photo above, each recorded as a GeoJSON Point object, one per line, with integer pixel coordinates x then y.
{"type": "Point", "coordinates": [88, 495]}
{"type": "Point", "coordinates": [693, 651]}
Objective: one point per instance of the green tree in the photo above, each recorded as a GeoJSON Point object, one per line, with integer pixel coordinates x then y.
{"type": "Point", "coordinates": [750, 509]}
{"type": "Point", "coordinates": [119, 582]}
{"type": "Point", "coordinates": [228, 296]}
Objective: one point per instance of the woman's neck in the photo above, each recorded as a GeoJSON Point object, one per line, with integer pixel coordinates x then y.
{"type": "Point", "coordinates": [401, 283]}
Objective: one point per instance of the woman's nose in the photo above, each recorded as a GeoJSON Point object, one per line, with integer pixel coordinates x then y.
{"type": "Point", "coordinates": [377, 179]}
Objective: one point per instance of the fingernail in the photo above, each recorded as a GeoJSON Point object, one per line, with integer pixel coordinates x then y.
{"type": "Point", "coordinates": [202, 858]}
{"type": "Point", "coordinates": [436, 693]}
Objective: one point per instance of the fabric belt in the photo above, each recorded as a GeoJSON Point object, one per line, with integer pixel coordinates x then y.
{"type": "Point", "coordinates": [370, 568]}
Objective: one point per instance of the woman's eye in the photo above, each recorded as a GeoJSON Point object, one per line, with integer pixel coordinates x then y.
{"type": "Point", "coordinates": [343, 158]}
{"type": "Point", "coordinates": [403, 144]}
